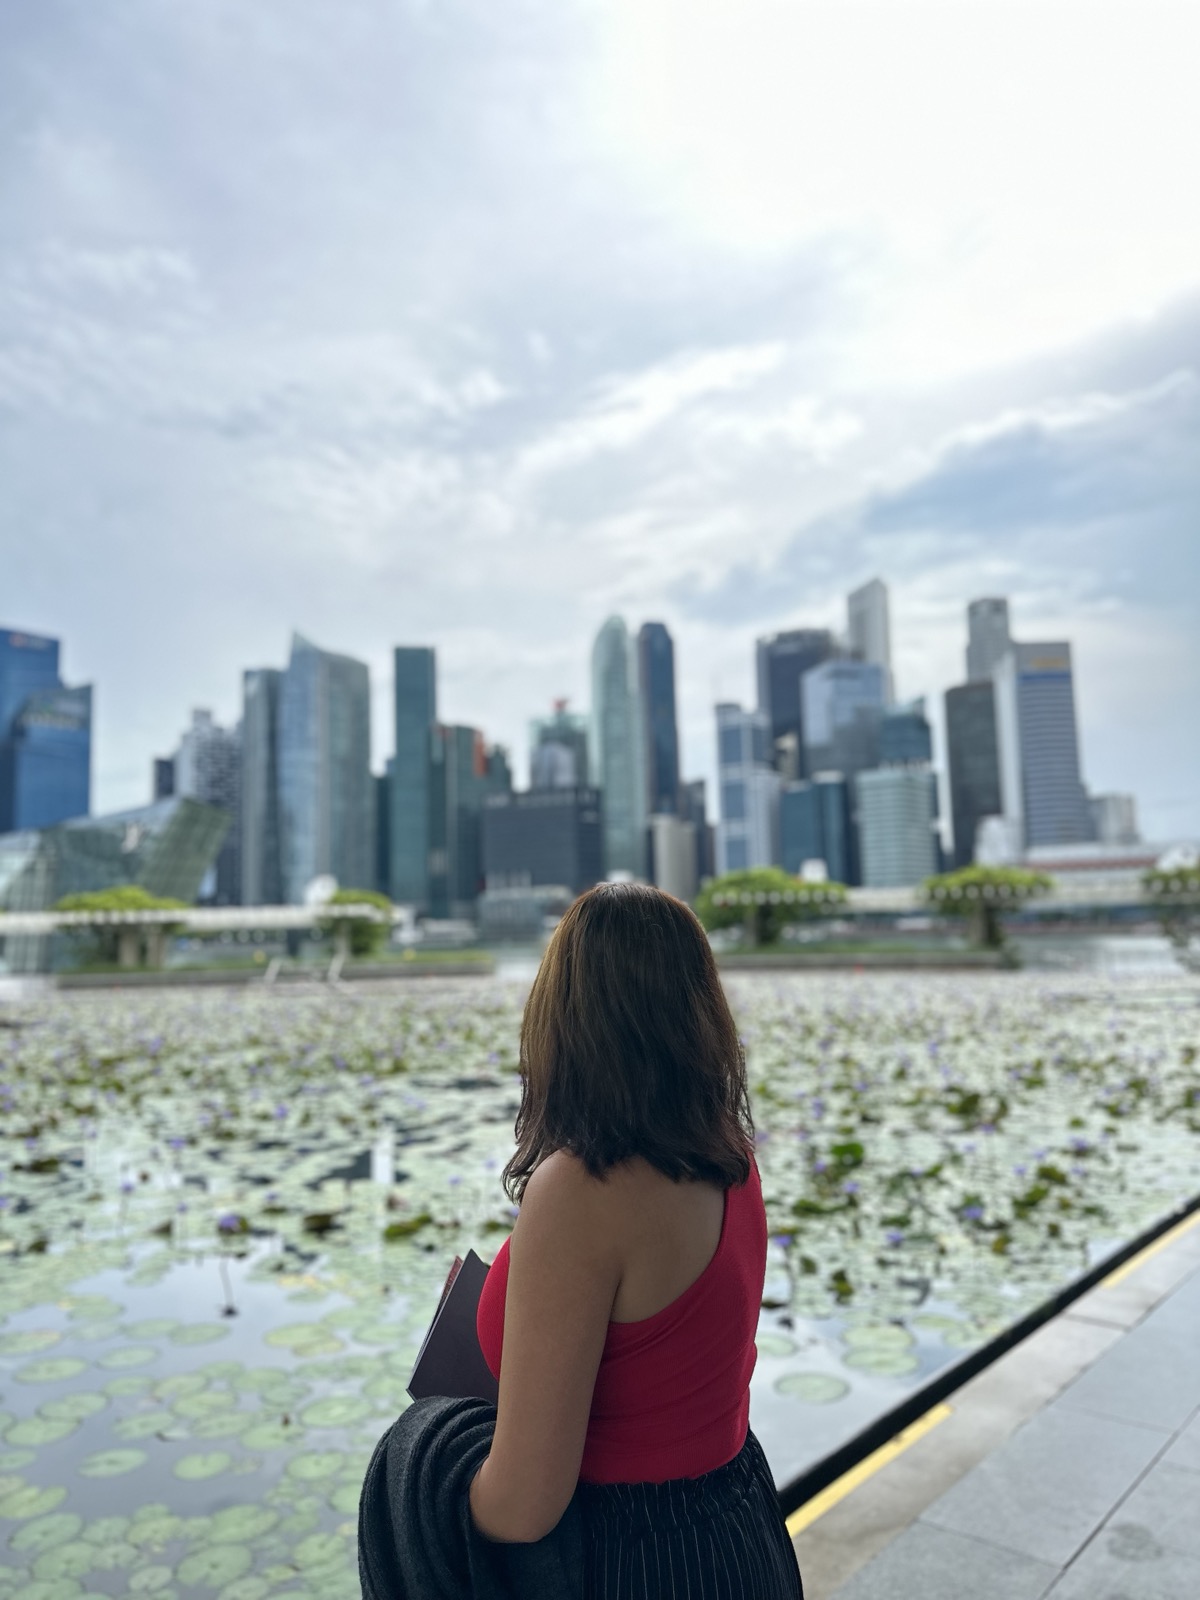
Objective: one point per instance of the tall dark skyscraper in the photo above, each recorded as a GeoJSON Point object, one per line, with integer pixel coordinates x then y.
{"type": "Point", "coordinates": [412, 775]}
{"type": "Point", "coordinates": [782, 659]}
{"type": "Point", "coordinates": [974, 762]}
{"type": "Point", "coordinates": [988, 638]}
{"type": "Point", "coordinates": [618, 748]}
{"type": "Point", "coordinates": [656, 669]}
{"type": "Point", "coordinates": [325, 793]}
{"type": "Point", "coordinates": [208, 767]}
{"type": "Point", "coordinates": [45, 736]}
{"type": "Point", "coordinates": [262, 869]}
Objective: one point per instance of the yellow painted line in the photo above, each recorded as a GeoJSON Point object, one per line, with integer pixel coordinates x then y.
{"type": "Point", "coordinates": [849, 1481]}
{"type": "Point", "coordinates": [1136, 1261]}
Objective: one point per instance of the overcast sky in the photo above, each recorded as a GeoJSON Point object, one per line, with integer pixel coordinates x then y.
{"type": "Point", "coordinates": [461, 323]}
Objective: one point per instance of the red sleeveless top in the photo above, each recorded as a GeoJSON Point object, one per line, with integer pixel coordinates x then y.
{"type": "Point", "coordinates": [672, 1395]}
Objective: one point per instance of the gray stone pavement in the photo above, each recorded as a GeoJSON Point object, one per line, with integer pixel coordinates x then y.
{"type": "Point", "coordinates": [1069, 1470]}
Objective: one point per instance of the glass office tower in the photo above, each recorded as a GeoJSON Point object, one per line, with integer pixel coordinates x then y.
{"type": "Point", "coordinates": [656, 673]}
{"type": "Point", "coordinates": [782, 659]}
{"type": "Point", "coordinates": [973, 759]}
{"type": "Point", "coordinates": [410, 841]}
{"type": "Point", "coordinates": [45, 736]}
{"type": "Point", "coordinates": [325, 794]}
{"type": "Point", "coordinates": [618, 752]}
{"type": "Point", "coordinates": [262, 866]}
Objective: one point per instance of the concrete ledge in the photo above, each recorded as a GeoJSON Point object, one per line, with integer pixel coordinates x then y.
{"type": "Point", "coordinates": [871, 960]}
{"type": "Point", "coordinates": [242, 977]}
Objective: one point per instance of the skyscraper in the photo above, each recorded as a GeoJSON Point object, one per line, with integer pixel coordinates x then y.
{"type": "Point", "coordinates": [542, 838]}
{"type": "Point", "coordinates": [656, 673]}
{"type": "Point", "coordinates": [1041, 789]}
{"type": "Point", "coordinates": [781, 660]}
{"type": "Point", "coordinates": [988, 638]}
{"type": "Point", "coordinates": [869, 629]}
{"type": "Point", "coordinates": [208, 767]}
{"type": "Point", "coordinates": [895, 825]}
{"type": "Point", "coordinates": [558, 750]}
{"type": "Point", "coordinates": [693, 808]}
{"type": "Point", "coordinates": [45, 736]}
{"type": "Point", "coordinates": [748, 830]}
{"type": "Point", "coordinates": [412, 774]}
{"type": "Point", "coordinates": [843, 704]}
{"type": "Point", "coordinates": [815, 824]}
{"type": "Point", "coordinates": [460, 785]}
{"type": "Point", "coordinates": [262, 864]}
{"type": "Point", "coordinates": [905, 734]}
{"type": "Point", "coordinates": [618, 748]}
{"type": "Point", "coordinates": [324, 770]}
{"type": "Point", "coordinates": [974, 763]}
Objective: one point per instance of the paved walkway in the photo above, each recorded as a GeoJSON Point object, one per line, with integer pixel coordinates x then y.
{"type": "Point", "coordinates": [1069, 1470]}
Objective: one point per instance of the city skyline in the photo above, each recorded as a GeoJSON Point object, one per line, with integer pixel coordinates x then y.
{"type": "Point", "coordinates": [606, 311]}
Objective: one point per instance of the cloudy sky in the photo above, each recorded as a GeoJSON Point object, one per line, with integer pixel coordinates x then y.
{"type": "Point", "coordinates": [467, 324]}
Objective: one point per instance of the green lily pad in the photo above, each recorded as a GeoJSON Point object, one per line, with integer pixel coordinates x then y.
{"type": "Point", "coordinates": [60, 1527]}
{"type": "Point", "coordinates": [813, 1388]}
{"type": "Point", "coordinates": [346, 1498]}
{"type": "Point", "coordinates": [27, 1341]}
{"type": "Point", "coordinates": [155, 1529]}
{"type": "Point", "coordinates": [150, 1328]}
{"type": "Point", "coordinates": [30, 1501]}
{"type": "Point", "coordinates": [882, 1362]}
{"type": "Point", "coordinates": [316, 1464]}
{"type": "Point", "coordinates": [181, 1383]}
{"type": "Point", "coordinates": [14, 1460]}
{"type": "Point", "coordinates": [214, 1565]}
{"type": "Point", "coordinates": [335, 1411]}
{"type": "Point", "coordinates": [73, 1407]}
{"type": "Point", "coordinates": [70, 1560]}
{"type": "Point", "coordinates": [107, 1530]}
{"type": "Point", "coordinates": [206, 1403]}
{"type": "Point", "coordinates": [54, 1369]}
{"type": "Point", "coordinates": [145, 1424]}
{"type": "Point", "coordinates": [38, 1431]}
{"type": "Point", "coordinates": [199, 1333]}
{"type": "Point", "coordinates": [206, 1465]}
{"type": "Point", "coordinates": [151, 1580]}
{"type": "Point", "coordinates": [878, 1336]}
{"type": "Point", "coordinates": [241, 1524]}
{"type": "Point", "coordinates": [221, 1425]}
{"type": "Point", "coordinates": [112, 1463]}
{"type": "Point", "coordinates": [271, 1436]}
{"type": "Point", "coordinates": [252, 1587]}
{"type": "Point", "coordinates": [775, 1344]}
{"type": "Point", "coordinates": [92, 1308]}
{"type": "Point", "coordinates": [129, 1355]}
{"type": "Point", "coordinates": [319, 1549]}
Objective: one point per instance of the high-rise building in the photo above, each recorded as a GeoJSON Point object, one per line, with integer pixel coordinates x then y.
{"type": "Point", "coordinates": [656, 672]}
{"type": "Point", "coordinates": [558, 750]}
{"type": "Point", "coordinates": [673, 855]}
{"type": "Point", "coordinates": [693, 808]}
{"type": "Point", "coordinates": [781, 661]}
{"type": "Point", "coordinates": [815, 824]}
{"type": "Point", "coordinates": [869, 630]}
{"type": "Point", "coordinates": [45, 736]}
{"type": "Point", "coordinates": [460, 784]}
{"type": "Point", "coordinates": [618, 748]}
{"type": "Point", "coordinates": [1114, 819]}
{"type": "Point", "coordinates": [896, 818]}
{"type": "Point", "coordinates": [208, 767]}
{"type": "Point", "coordinates": [382, 782]}
{"type": "Point", "coordinates": [905, 734]}
{"type": "Point", "coordinates": [748, 830]}
{"type": "Point", "coordinates": [843, 705]}
{"type": "Point", "coordinates": [325, 793]}
{"type": "Point", "coordinates": [542, 838]}
{"type": "Point", "coordinates": [988, 638]}
{"type": "Point", "coordinates": [974, 763]}
{"type": "Point", "coordinates": [412, 775]}
{"type": "Point", "coordinates": [262, 863]}
{"type": "Point", "coordinates": [164, 777]}
{"type": "Point", "coordinates": [1041, 790]}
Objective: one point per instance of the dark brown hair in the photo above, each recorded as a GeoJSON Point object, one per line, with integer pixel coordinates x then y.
{"type": "Point", "coordinates": [628, 1046]}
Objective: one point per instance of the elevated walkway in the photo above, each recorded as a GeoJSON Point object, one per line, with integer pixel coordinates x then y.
{"type": "Point", "coordinates": [1067, 1470]}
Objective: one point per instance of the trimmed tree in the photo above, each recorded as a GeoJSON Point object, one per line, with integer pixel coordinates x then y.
{"type": "Point", "coordinates": [762, 901]}
{"type": "Point", "coordinates": [1175, 895]}
{"type": "Point", "coordinates": [130, 942]}
{"type": "Point", "coordinates": [361, 935]}
{"type": "Point", "coordinates": [981, 895]}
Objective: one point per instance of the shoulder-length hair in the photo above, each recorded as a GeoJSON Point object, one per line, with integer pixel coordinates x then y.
{"type": "Point", "coordinates": [628, 1046]}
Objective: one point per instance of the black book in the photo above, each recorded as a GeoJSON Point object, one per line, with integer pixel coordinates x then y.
{"type": "Point", "coordinates": [450, 1361]}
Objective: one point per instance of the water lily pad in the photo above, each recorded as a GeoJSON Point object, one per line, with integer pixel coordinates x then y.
{"type": "Point", "coordinates": [12, 1461]}
{"type": "Point", "coordinates": [347, 1497]}
{"type": "Point", "coordinates": [58, 1528]}
{"type": "Point", "coordinates": [107, 1530]}
{"type": "Point", "coordinates": [335, 1411]}
{"type": "Point", "coordinates": [205, 1403]}
{"type": "Point", "coordinates": [813, 1388]}
{"type": "Point", "coordinates": [775, 1344]}
{"type": "Point", "coordinates": [153, 1529]}
{"type": "Point", "coordinates": [69, 1560]}
{"type": "Point", "coordinates": [30, 1501]}
{"type": "Point", "coordinates": [92, 1307]}
{"type": "Point", "coordinates": [181, 1383]}
{"type": "Point", "coordinates": [145, 1424]}
{"type": "Point", "coordinates": [878, 1336]}
{"type": "Point", "coordinates": [37, 1431]}
{"type": "Point", "coordinates": [150, 1328]}
{"type": "Point", "coordinates": [203, 1465]}
{"type": "Point", "coordinates": [241, 1524]}
{"type": "Point", "coordinates": [54, 1369]}
{"type": "Point", "coordinates": [319, 1549]}
{"type": "Point", "coordinates": [882, 1362]}
{"type": "Point", "coordinates": [73, 1407]}
{"type": "Point", "coordinates": [315, 1464]}
{"type": "Point", "coordinates": [112, 1463]}
{"type": "Point", "coordinates": [150, 1580]}
{"type": "Point", "coordinates": [222, 1425]}
{"type": "Point", "coordinates": [214, 1565]}
{"type": "Point", "coordinates": [271, 1436]}
{"type": "Point", "coordinates": [25, 1342]}
{"type": "Point", "coordinates": [252, 1587]}
{"type": "Point", "coordinates": [199, 1333]}
{"type": "Point", "coordinates": [129, 1355]}
{"type": "Point", "coordinates": [127, 1384]}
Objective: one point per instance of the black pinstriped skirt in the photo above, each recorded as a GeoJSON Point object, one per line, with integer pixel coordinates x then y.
{"type": "Point", "coordinates": [721, 1536]}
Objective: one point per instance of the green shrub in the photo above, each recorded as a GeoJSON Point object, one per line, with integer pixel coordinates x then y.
{"type": "Point", "coordinates": [980, 894]}
{"type": "Point", "coordinates": [364, 935]}
{"type": "Point", "coordinates": [763, 901]}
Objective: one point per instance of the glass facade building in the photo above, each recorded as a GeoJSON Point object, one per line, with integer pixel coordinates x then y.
{"type": "Point", "coordinates": [815, 824]}
{"type": "Point", "coordinates": [844, 703]}
{"type": "Point", "coordinates": [411, 836]}
{"type": "Point", "coordinates": [973, 759]}
{"type": "Point", "coordinates": [45, 736]}
{"type": "Point", "coordinates": [1039, 745]}
{"type": "Point", "coordinates": [558, 750]}
{"type": "Point", "coordinates": [656, 672]}
{"type": "Point", "coordinates": [325, 795]}
{"type": "Point", "coordinates": [262, 864]}
{"type": "Point", "coordinates": [748, 830]}
{"type": "Point", "coordinates": [896, 815]}
{"type": "Point", "coordinates": [905, 734]}
{"type": "Point", "coordinates": [541, 838]}
{"type": "Point", "coordinates": [781, 661]}
{"type": "Point", "coordinates": [869, 628]}
{"type": "Point", "coordinates": [618, 749]}
{"type": "Point", "coordinates": [988, 637]}
{"type": "Point", "coordinates": [208, 767]}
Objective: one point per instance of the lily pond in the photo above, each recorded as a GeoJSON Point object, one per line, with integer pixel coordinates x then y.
{"type": "Point", "coordinates": [225, 1218]}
